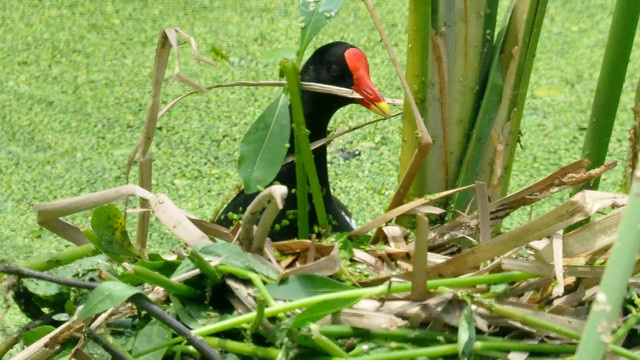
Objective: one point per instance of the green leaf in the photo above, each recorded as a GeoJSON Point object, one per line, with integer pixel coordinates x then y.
{"type": "Point", "coordinates": [47, 294]}
{"type": "Point", "coordinates": [304, 285]}
{"type": "Point", "coordinates": [318, 311]}
{"type": "Point", "coordinates": [110, 234]}
{"type": "Point", "coordinates": [155, 333]}
{"type": "Point", "coordinates": [236, 257]}
{"type": "Point", "coordinates": [194, 314]}
{"type": "Point", "coordinates": [466, 333]}
{"type": "Point", "coordinates": [107, 295]}
{"type": "Point", "coordinates": [264, 146]}
{"type": "Point", "coordinates": [36, 334]}
{"type": "Point", "coordinates": [314, 15]}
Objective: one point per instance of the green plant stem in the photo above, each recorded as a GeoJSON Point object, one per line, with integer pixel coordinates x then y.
{"type": "Point", "coordinates": [231, 346]}
{"type": "Point", "coordinates": [62, 258]}
{"type": "Point", "coordinates": [171, 286]}
{"type": "Point", "coordinates": [625, 328]}
{"type": "Point", "coordinates": [478, 347]}
{"type": "Point", "coordinates": [536, 17]}
{"type": "Point", "coordinates": [610, 81]}
{"type": "Point", "coordinates": [417, 74]}
{"type": "Point", "coordinates": [432, 351]}
{"type": "Point", "coordinates": [348, 294]}
{"type": "Point", "coordinates": [302, 200]}
{"type": "Point", "coordinates": [260, 305]}
{"type": "Point", "coordinates": [423, 336]}
{"type": "Point", "coordinates": [613, 286]}
{"type": "Point", "coordinates": [490, 152]}
{"type": "Point", "coordinates": [325, 343]}
{"type": "Point", "coordinates": [205, 268]}
{"type": "Point", "coordinates": [241, 348]}
{"type": "Point", "coordinates": [521, 346]}
{"type": "Point", "coordinates": [303, 147]}
{"type": "Point", "coordinates": [534, 321]}
{"type": "Point", "coordinates": [539, 323]}
{"type": "Point", "coordinates": [402, 334]}
{"type": "Point", "coordinates": [253, 277]}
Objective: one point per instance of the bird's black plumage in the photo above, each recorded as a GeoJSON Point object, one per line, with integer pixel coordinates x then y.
{"type": "Point", "coordinates": [329, 65]}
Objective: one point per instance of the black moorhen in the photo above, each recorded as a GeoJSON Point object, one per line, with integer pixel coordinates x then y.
{"type": "Point", "coordinates": [337, 64]}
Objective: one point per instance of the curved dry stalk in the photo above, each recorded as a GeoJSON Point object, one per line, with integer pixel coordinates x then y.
{"type": "Point", "coordinates": [271, 200]}
{"type": "Point", "coordinates": [168, 40]}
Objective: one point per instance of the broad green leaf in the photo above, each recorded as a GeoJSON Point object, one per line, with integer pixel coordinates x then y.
{"type": "Point", "coordinates": [304, 285]}
{"type": "Point", "coordinates": [46, 293]}
{"type": "Point", "coordinates": [236, 257]}
{"type": "Point", "coordinates": [264, 145]}
{"type": "Point", "coordinates": [194, 314]}
{"type": "Point", "coordinates": [154, 333]}
{"type": "Point", "coordinates": [466, 333]}
{"type": "Point", "coordinates": [314, 15]}
{"type": "Point", "coordinates": [36, 334]}
{"type": "Point", "coordinates": [110, 234]}
{"type": "Point", "coordinates": [107, 295]}
{"type": "Point", "coordinates": [318, 311]}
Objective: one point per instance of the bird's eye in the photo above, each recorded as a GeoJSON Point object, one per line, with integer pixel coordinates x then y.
{"type": "Point", "coordinates": [334, 70]}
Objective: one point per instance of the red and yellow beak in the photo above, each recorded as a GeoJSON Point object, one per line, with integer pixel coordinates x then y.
{"type": "Point", "coordinates": [372, 99]}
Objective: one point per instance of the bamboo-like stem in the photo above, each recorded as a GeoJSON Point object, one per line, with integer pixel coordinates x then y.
{"type": "Point", "coordinates": [305, 160]}
{"type": "Point", "coordinates": [536, 17]}
{"type": "Point", "coordinates": [494, 137]}
{"type": "Point", "coordinates": [424, 139]}
{"type": "Point", "coordinates": [62, 258]}
{"type": "Point", "coordinates": [155, 278]}
{"type": "Point", "coordinates": [613, 286]}
{"type": "Point", "coordinates": [610, 81]}
{"type": "Point", "coordinates": [417, 75]}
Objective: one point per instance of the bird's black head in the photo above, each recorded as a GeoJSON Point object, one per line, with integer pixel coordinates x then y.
{"type": "Point", "coordinates": [328, 66]}
{"type": "Point", "coordinates": [344, 65]}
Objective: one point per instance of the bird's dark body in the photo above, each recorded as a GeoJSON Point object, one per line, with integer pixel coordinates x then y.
{"type": "Point", "coordinates": [327, 65]}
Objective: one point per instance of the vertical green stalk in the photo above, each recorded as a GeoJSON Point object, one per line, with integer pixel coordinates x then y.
{"type": "Point", "coordinates": [417, 74]}
{"type": "Point", "coordinates": [303, 148]}
{"type": "Point", "coordinates": [302, 189]}
{"type": "Point", "coordinates": [613, 286]}
{"type": "Point", "coordinates": [491, 147]}
{"type": "Point", "coordinates": [612, 74]}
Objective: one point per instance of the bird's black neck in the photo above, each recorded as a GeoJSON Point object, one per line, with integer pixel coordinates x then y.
{"type": "Point", "coordinates": [318, 109]}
